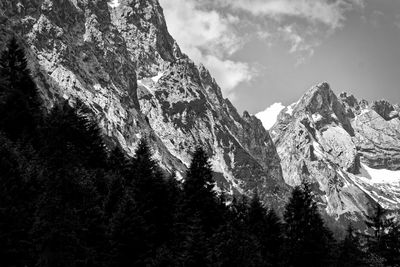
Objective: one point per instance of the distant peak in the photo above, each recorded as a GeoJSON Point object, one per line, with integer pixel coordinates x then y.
{"type": "Point", "coordinates": [324, 86]}
{"type": "Point", "coordinates": [318, 97]}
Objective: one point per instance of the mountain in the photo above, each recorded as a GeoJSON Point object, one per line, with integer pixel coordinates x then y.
{"type": "Point", "coordinates": [119, 59]}
{"type": "Point", "coordinates": [347, 148]}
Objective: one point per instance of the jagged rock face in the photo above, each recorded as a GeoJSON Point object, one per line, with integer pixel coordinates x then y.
{"type": "Point", "coordinates": [344, 147]}
{"type": "Point", "coordinates": [185, 107]}
{"type": "Point", "coordinates": [125, 66]}
{"type": "Point", "coordinates": [377, 133]}
{"type": "Point", "coordinates": [314, 140]}
{"type": "Point", "coordinates": [385, 110]}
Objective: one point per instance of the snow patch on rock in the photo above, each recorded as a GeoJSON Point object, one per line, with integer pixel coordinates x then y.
{"type": "Point", "coordinates": [114, 3]}
{"type": "Point", "coordinates": [380, 176]}
{"type": "Point", "coordinates": [269, 116]}
{"type": "Point", "coordinates": [290, 108]}
{"type": "Point", "coordinates": [156, 78]}
{"type": "Point", "coordinates": [316, 117]}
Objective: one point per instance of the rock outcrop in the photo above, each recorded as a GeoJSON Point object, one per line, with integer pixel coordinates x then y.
{"type": "Point", "coordinates": [121, 61]}
{"type": "Point", "coordinates": [344, 147]}
{"type": "Point", "coordinates": [123, 64]}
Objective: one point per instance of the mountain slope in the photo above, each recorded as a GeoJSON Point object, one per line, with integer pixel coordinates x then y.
{"type": "Point", "coordinates": [120, 60]}
{"type": "Point", "coordinates": [344, 147]}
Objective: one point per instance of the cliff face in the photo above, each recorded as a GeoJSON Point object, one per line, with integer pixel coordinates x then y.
{"type": "Point", "coordinates": [121, 61]}
{"type": "Point", "coordinates": [345, 147]}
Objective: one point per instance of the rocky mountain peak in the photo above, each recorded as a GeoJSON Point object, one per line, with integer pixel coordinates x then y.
{"type": "Point", "coordinates": [344, 146]}
{"type": "Point", "coordinates": [119, 59]}
{"type": "Point", "coordinates": [385, 109]}
{"type": "Point", "coordinates": [323, 107]}
{"type": "Point", "coordinates": [123, 64]}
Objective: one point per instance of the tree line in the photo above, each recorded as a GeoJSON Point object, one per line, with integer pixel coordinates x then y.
{"type": "Point", "coordinates": [68, 200]}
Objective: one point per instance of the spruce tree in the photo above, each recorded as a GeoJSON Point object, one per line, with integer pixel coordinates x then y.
{"type": "Point", "coordinates": [19, 100]}
{"type": "Point", "coordinates": [386, 236]}
{"type": "Point", "coordinates": [308, 241]}
{"type": "Point", "coordinates": [19, 173]}
{"type": "Point", "coordinates": [234, 244]}
{"type": "Point", "coordinates": [71, 137]}
{"type": "Point", "coordinates": [350, 251]}
{"type": "Point", "coordinates": [69, 229]}
{"type": "Point", "coordinates": [266, 228]}
{"type": "Point", "coordinates": [129, 234]}
{"type": "Point", "coordinates": [198, 191]}
{"type": "Point", "coordinates": [118, 161]}
{"type": "Point", "coordinates": [194, 247]}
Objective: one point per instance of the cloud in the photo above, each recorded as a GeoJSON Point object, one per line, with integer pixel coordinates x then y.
{"type": "Point", "coordinates": [208, 38]}
{"type": "Point", "coordinates": [212, 31]}
{"type": "Point", "coordinates": [303, 24]}
{"type": "Point", "coordinates": [269, 116]}
{"type": "Point", "coordinates": [327, 12]}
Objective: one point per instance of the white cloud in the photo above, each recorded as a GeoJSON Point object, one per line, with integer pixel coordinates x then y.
{"type": "Point", "coordinates": [328, 12]}
{"type": "Point", "coordinates": [211, 31]}
{"type": "Point", "coordinates": [208, 38]}
{"type": "Point", "coordinates": [303, 24]}
{"type": "Point", "coordinates": [228, 73]}
{"type": "Point", "coordinates": [269, 116]}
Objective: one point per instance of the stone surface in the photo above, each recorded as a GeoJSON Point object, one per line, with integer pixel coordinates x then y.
{"type": "Point", "coordinates": [121, 61]}
{"type": "Point", "coordinates": [344, 147]}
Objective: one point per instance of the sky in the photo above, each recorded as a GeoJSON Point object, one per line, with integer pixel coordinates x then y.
{"type": "Point", "coordinates": [265, 54]}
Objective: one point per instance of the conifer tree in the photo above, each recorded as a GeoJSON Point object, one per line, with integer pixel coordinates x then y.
{"type": "Point", "coordinates": [115, 193]}
{"type": "Point", "coordinates": [19, 101]}
{"type": "Point", "coordinates": [73, 138]}
{"type": "Point", "coordinates": [265, 226]}
{"type": "Point", "coordinates": [151, 192]}
{"type": "Point", "coordinates": [195, 245]}
{"type": "Point", "coordinates": [386, 239]}
{"type": "Point", "coordinates": [69, 229]}
{"type": "Point", "coordinates": [350, 252]}
{"type": "Point", "coordinates": [198, 191]}
{"type": "Point", "coordinates": [118, 161]}
{"type": "Point", "coordinates": [129, 231]}
{"type": "Point", "coordinates": [18, 194]}
{"type": "Point", "coordinates": [308, 241]}
{"type": "Point", "coordinates": [234, 244]}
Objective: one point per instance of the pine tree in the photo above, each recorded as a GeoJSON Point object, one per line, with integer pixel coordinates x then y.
{"type": "Point", "coordinates": [18, 193]}
{"type": "Point", "coordinates": [71, 137]}
{"type": "Point", "coordinates": [195, 246]}
{"type": "Point", "coordinates": [198, 191]}
{"type": "Point", "coordinates": [115, 193]}
{"type": "Point", "coordinates": [234, 244]}
{"type": "Point", "coordinates": [69, 229]}
{"type": "Point", "coordinates": [129, 234]}
{"type": "Point", "coordinates": [118, 161]}
{"type": "Point", "coordinates": [265, 226]}
{"type": "Point", "coordinates": [350, 252]}
{"type": "Point", "coordinates": [377, 222]}
{"type": "Point", "coordinates": [19, 101]}
{"type": "Point", "coordinates": [308, 241]}
{"type": "Point", "coordinates": [386, 239]}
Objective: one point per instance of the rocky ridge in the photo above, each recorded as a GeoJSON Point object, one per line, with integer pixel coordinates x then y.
{"type": "Point", "coordinates": [347, 148]}
{"type": "Point", "coordinates": [121, 61]}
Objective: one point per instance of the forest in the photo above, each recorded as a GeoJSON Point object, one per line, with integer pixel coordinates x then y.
{"type": "Point", "coordinates": [67, 199]}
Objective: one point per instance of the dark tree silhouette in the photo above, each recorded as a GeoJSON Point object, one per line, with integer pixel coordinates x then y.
{"type": "Point", "coordinates": [19, 100]}
{"type": "Point", "coordinates": [350, 250]}
{"type": "Point", "coordinates": [308, 241]}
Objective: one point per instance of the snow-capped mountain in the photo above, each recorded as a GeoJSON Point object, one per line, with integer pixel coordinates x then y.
{"type": "Point", "coordinates": [347, 148]}
{"type": "Point", "coordinates": [119, 59]}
